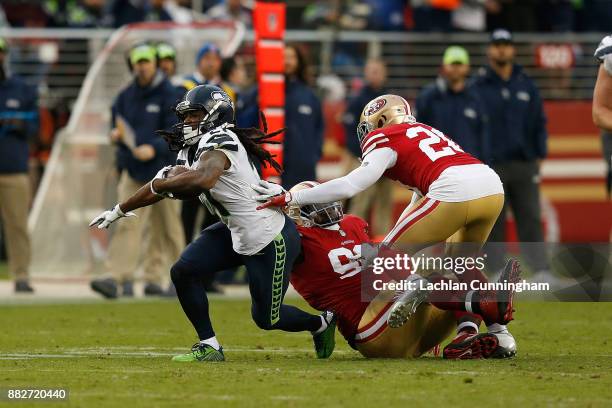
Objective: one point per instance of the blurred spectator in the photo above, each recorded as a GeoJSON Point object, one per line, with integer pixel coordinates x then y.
{"type": "Point", "coordinates": [451, 106]}
{"type": "Point", "coordinates": [516, 15]}
{"type": "Point", "coordinates": [234, 78]}
{"type": "Point", "coordinates": [3, 21]}
{"type": "Point", "coordinates": [471, 15]}
{"type": "Point", "coordinates": [231, 10]}
{"type": "Point", "coordinates": [377, 198]}
{"type": "Point", "coordinates": [18, 125]}
{"type": "Point", "coordinates": [166, 60]}
{"type": "Point", "coordinates": [133, 11]}
{"type": "Point", "coordinates": [386, 15]}
{"type": "Point", "coordinates": [76, 13]}
{"type": "Point", "coordinates": [517, 128]}
{"type": "Point", "coordinates": [602, 102]}
{"type": "Point", "coordinates": [140, 109]}
{"type": "Point", "coordinates": [303, 142]}
{"type": "Point", "coordinates": [208, 67]}
{"type": "Point", "coordinates": [433, 15]}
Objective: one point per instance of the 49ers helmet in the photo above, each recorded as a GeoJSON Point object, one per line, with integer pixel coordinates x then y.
{"type": "Point", "coordinates": [383, 111]}
{"type": "Point", "coordinates": [319, 215]}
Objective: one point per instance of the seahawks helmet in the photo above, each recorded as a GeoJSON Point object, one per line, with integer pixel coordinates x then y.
{"type": "Point", "coordinates": [217, 108]}
{"type": "Point", "coordinates": [319, 215]}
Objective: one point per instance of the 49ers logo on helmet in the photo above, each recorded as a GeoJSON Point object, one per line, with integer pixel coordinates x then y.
{"type": "Point", "coordinates": [375, 106]}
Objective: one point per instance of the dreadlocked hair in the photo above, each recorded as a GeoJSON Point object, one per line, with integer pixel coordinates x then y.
{"type": "Point", "coordinates": [252, 139]}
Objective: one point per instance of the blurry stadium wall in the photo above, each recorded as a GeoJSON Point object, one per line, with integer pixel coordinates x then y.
{"type": "Point", "coordinates": [80, 181]}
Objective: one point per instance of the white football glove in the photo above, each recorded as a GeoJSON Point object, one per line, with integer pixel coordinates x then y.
{"type": "Point", "coordinates": [161, 174]}
{"type": "Point", "coordinates": [109, 216]}
{"type": "Point", "coordinates": [266, 190]}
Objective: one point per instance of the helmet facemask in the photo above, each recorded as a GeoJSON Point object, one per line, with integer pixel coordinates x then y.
{"type": "Point", "coordinates": [322, 215]}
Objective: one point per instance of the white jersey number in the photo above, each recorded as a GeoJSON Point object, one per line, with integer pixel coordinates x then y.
{"type": "Point", "coordinates": [433, 136]}
{"type": "Point", "coordinates": [346, 269]}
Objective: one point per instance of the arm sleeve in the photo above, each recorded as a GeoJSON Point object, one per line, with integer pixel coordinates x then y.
{"type": "Point", "coordinates": [370, 171]}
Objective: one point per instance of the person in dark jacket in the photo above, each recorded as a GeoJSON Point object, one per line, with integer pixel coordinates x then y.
{"type": "Point", "coordinates": [18, 124]}
{"type": "Point", "coordinates": [303, 141]}
{"type": "Point", "coordinates": [378, 197]}
{"type": "Point", "coordinates": [517, 131]}
{"type": "Point", "coordinates": [454, 108]}
{"type": "Point", "coordinates": [140, 109]}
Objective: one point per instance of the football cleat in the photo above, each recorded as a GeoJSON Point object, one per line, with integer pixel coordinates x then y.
{"type": "Point", "coordinates": [496, 306]}
{"type": "Point", "coordinates": [201, 352]}
{"type": "Point", "coordinates": [468, 345]}
{"type": "Point", "coordinates": [23, 286]}
{"type": "Point", "coordinates": [506, 347]}
{"type": "Point", "coordinates": [105, 287]}
{"type": "Point", "coordinates": [406, 304]}
{"type": "Point", "coordinates": [325, 342]}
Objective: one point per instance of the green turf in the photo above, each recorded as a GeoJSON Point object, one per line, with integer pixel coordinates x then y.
{"type": "Point", "coordinates": [563, 360]}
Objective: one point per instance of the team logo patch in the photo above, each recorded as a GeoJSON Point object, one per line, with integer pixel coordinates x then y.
{"type": "Point", "coordinates": [375, 106]}
{"type": "Point", "coordinates": [220, 96]}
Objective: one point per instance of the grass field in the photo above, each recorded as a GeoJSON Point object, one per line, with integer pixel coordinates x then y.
{"type": "Point", "coordinates": [118, 354]}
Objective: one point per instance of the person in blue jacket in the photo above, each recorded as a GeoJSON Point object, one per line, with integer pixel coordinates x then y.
{"type": "Point", "coordinates": [140, 109]}
{"type": "Point", "coordinates": [303, 141]}
{"type": "Point", "coordinates": [450, 105]}
{"type": "Point", "coordinates": [517, 132]}
{"type": "Point", "coordinates": [18, 125]}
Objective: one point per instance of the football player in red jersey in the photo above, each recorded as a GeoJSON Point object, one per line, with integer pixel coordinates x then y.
{"type": "Point", "coordinates": [328, 276]}
{"type": "Point", "coordinates": [456, 197]}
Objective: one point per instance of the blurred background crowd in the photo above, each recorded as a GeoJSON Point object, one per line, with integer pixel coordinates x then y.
{"type": "Point", "coordinates": [389, 15]}
{"type": "Point", "coordinates": [491, 95]}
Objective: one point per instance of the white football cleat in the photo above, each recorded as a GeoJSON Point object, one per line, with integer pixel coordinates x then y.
{"type": "Point", "coordinates": [407, 303]}
{"type": "Point", "coordinates": [506, 347]}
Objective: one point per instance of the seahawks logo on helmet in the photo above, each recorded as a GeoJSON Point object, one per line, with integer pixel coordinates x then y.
{"type": "Point", "coordinates": [215, 107]}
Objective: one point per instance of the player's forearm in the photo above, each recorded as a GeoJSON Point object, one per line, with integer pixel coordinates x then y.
{"type": "Point", "coordinates": [141, 198]}
{"type": "Point", "coordinates": [189, 184]}
{"type": "Point", "coordinates": [602, 117]}
{"type": "Point", "coordinates": [602, 100]}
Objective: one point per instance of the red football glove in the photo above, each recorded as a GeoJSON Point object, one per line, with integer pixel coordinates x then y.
{"type": "Point", "coordinates": [280, 200]}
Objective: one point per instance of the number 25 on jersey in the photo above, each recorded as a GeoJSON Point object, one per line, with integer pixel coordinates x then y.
{"type": "Point", "coordinates": [433, 136]}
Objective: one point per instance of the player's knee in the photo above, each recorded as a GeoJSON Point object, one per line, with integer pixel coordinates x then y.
{"type": "Point", "coordinates": [262, 319]}
{"type": "Point", "coordinates": [178, 273]}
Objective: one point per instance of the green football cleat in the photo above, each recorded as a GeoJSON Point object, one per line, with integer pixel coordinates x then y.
{"type": "Point", "coordinates": [201, 352]}
{"type": "Point", "coordinates": [325, 341]}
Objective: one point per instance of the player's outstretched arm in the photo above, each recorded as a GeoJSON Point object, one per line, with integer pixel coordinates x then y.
{"type": "Point", "coordinates": [370, 171]}
{"type": "Point", "coordinates": [192, 183]}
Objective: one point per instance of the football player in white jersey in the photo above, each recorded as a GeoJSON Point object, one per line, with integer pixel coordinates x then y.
{"type": "Point", "coordinates": [218, 167]}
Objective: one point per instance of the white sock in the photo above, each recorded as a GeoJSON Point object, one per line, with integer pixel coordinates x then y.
{"type": "Point", "coordinates": [323, 325]}
{"type": "Point", "coordinates": [213, 342]}
{"type": "Point", "coordinates": [497, 328]}
{"type": "Point", "coordinates": [465, 325]}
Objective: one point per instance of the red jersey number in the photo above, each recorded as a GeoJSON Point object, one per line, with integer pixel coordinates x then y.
{"type": "Point", "coordinates": [432, 137]}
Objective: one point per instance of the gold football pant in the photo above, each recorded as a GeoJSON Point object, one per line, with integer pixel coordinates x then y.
{"type": "Point", "coordinates": [430, 221]}
{"type": "Point", "coordinates": [425, 330]}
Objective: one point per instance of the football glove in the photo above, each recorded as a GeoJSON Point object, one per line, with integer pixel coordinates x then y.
{"type": "Point", "coordinates": [109, 216]}
{"type": "Point", "coordinates": [271, 194]}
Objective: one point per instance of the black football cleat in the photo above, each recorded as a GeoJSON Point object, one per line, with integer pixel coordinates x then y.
{"type": "Point", "coordinates": [105, 287]}
{"type": "Point", "coordinates": [23, 286]}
